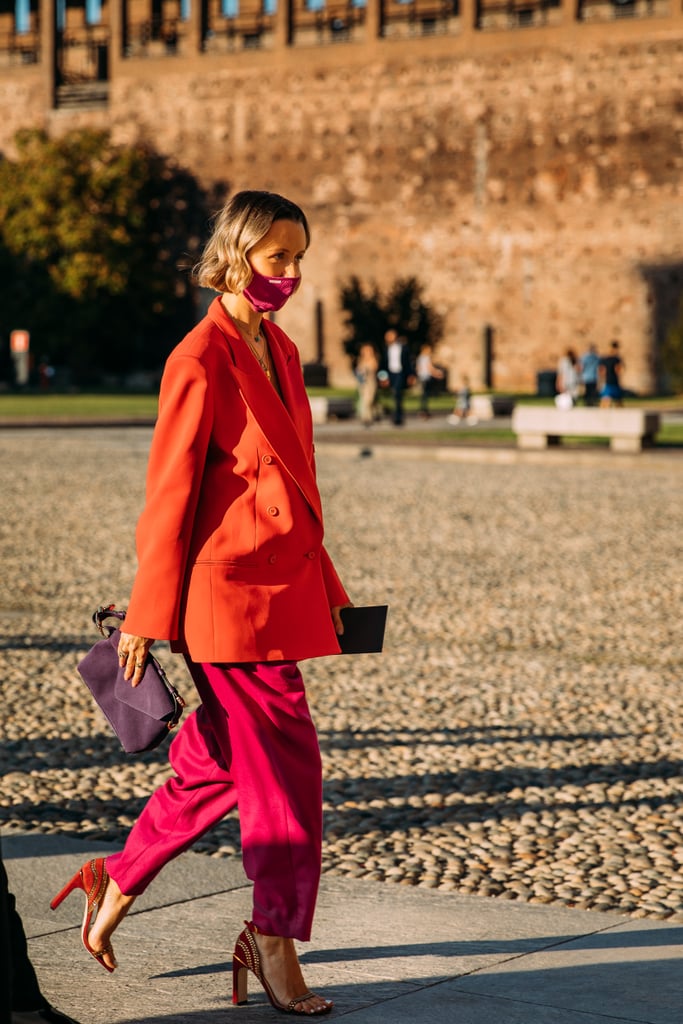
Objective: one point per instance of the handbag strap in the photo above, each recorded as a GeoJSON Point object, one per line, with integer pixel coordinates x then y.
{"type": "Point", "coordinates": [107, 612]}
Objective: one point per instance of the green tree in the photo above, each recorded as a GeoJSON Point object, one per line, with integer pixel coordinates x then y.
{"type": "Point", "coordinates": [100, 239]}
{"type": "Point", "coordinates": [369, 314]}
{"type": "Point", "coordinates": [365, 318]}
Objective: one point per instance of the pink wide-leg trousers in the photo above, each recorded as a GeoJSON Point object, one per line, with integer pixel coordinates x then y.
{"type": "Point", "coordinates": [250, 744]}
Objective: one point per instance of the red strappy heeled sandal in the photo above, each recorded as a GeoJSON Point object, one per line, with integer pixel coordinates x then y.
{"type": "Point", "coordinates": [92, 879]}
{"type": "Point", "coordinates": [247, 958]}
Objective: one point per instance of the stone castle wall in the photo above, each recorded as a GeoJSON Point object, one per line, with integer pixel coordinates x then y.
{"type": "Point", "coordinates": [538, 190]}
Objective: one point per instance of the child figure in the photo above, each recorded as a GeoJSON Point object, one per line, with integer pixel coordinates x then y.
{"type": "Point", "coordinates": [463, 405]}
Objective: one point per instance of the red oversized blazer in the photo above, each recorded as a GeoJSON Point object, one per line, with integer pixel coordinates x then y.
{"type": "Point", "coordinates": [231, 563]}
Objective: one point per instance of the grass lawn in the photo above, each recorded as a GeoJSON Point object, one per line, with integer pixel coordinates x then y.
{"type": "Point", "coordinates": [77, 406]}
{"type": "Point", "coordinates": [56, 407]}
{"type": "Point", "coordinates": [670, 435]}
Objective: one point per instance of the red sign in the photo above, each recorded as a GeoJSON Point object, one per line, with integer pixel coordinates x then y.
{"type": "Point", "coordinates": [19, 341]}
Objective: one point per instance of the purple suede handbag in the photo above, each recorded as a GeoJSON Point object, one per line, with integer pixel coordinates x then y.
{"type": "Point", "coordinates": [141, 716]}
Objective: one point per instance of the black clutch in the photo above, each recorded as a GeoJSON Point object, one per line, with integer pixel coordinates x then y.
{"type": "Point", "coordinates": [363, 629]}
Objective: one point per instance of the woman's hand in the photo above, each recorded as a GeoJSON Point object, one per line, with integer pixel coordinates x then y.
{"type": "Point", "coordinates": [133, 651]}
{"type": "Point", "coordinates": [337, 619]}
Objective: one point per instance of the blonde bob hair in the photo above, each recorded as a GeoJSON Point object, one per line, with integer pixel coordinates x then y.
{"type": "Point", "coordinates": [244, 220]}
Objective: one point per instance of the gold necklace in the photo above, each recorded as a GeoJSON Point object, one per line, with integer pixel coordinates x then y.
{"type": "Point", "coordinates": [252, 341]}
{"type": "Point", "coordinates": [261, 360]}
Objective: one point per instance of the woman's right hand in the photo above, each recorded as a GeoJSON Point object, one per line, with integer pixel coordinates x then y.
{"type": "Point", "coordinates": [132, 652]}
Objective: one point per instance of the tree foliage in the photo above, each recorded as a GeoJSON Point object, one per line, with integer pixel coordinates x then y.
{"type": "Point", "coordinates": [95, 244]}
{"type": "Point", "coordinates": [369, 314]}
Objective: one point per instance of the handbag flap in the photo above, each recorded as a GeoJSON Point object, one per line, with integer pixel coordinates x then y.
{"type": "Point", "coordinates": [151, 696]}
{"type": "Point", "coordinates": [138, 715]}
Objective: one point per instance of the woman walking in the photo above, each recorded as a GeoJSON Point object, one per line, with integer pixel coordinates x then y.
{"type": "Point", "coordinates": [232, 570]}
{"type": "Point", "coordinates": [367, 366]}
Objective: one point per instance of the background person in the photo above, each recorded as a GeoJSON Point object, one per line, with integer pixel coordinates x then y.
{"type": "Point", "coordinates": [398, 366]}
{"type": "Point", "coordinates": [611, 366]}
{"type": "Point", "coordinates": [21, 1001]}
{"type": "Point", "coordinates": [590, 366]}
{"type": "Point", "coordinates": [366, 369]}
{"type": "Point", "coordinates": [232, 570]}
{"type": "Point", "coordinates": [463, 404]}
{"type": "Point", "coordinates": [567, 381]}
{"type": "Point", "coordinates": [427, 374]}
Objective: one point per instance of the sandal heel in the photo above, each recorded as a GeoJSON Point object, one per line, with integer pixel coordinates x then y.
{"type": "Point", "coordinates": [240, 976]}
{"type": "Point", "coordinates": [247, 958]}
{"type": "Point", "coordinates": [75, 883]}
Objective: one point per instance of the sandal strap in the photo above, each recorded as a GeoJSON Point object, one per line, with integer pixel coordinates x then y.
{"type": "Point", "coordinates": [300, 999]}
{"type": "Point", "coordinates": [107, 950]}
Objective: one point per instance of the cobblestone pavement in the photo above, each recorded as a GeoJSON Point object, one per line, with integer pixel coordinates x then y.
{"type": "Point", "coordinates": [521, 737]}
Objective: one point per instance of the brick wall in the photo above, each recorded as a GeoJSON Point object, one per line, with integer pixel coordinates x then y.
{"type": "Point", "coordinates": [537, 189]}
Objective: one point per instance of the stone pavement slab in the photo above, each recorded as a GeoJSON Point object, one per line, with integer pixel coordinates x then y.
{"type": "Point", "coordinates": [386, 954]}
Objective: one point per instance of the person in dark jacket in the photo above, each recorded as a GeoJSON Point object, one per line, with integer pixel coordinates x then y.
{"type": "Point", "coordinates": [21, 1001]}
{"type": "Point", "coordinates": [611, 367]}
{"type": "Point", "coordinates": [397, 364]}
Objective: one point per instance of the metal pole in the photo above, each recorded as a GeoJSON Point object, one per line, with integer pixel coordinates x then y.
{"type": "Point", "coordinates": [319, 333]}
{"type": "Point", "coordinates": [487, 356]}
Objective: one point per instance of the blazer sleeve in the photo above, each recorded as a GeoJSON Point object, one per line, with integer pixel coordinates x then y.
{"type": "Point", "coordinates": [175, 469]}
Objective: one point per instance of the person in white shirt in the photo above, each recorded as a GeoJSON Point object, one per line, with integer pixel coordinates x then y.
{"type": "Point", "coordinates": [427, 374]}
{"type": "Point", "coordinates": [398, 366]}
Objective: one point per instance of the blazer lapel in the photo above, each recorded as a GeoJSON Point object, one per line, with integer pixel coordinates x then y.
{"type": "Point", "coordinates": [291, 386]}
{"type": "Point", "coordinates": [284, 422]}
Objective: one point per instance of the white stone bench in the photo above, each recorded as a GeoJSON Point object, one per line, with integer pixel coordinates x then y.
{"type": "Point", "coordinates": [538, 426]}
{"type": "Point", "coordinates": [325, 409]}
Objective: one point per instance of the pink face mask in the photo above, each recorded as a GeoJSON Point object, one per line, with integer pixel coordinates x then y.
{"type": "Point", "coordinates": [268, 294]}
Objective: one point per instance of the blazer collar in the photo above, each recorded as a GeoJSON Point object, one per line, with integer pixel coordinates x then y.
{"type": "Point", "coordinates": [286, 423]}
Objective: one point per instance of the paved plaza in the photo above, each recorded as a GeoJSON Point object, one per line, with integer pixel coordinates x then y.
{"type": "Point", "coordinates": [520, 738]}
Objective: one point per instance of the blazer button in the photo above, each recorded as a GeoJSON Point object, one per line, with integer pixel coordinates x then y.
{"type": "Point", "coordinates": [273, 510]}
{"type": "Point", "coordinates": [310, 554]}
{"type": "Point", "coordinates": [267, 459]}
{"type": "Point", "coordinates": [272, 559]}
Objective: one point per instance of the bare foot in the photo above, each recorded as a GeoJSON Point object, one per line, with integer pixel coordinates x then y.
{"type": "Point", "coordinates": [281, 969]}
{"type": "Point", "coordinates": [110, 913]}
